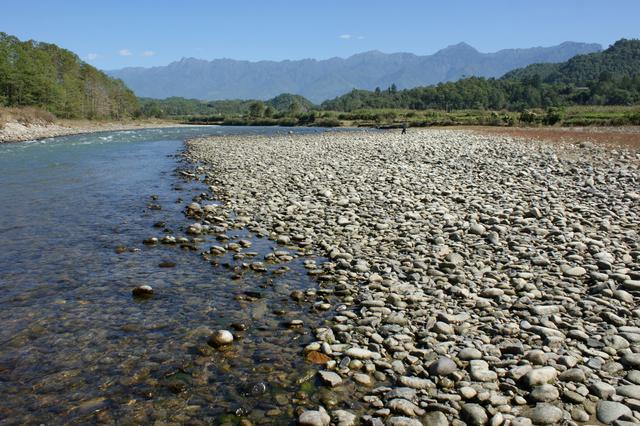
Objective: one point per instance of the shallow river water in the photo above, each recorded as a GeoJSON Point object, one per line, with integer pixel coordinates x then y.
{"type": "Point", "coordinates": [76, 348]}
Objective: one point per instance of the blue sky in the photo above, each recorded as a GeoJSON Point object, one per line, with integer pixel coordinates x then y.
{"type": "Point", "coordinates": [113, 34]}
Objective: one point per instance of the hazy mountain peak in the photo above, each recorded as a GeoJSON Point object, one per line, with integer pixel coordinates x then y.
{"type": "Point", "coordinates": [459, 48]}
{"type": "Point", "coordinates": [368, 53]}
{"type": "Point", "coordinates": [318, 80]}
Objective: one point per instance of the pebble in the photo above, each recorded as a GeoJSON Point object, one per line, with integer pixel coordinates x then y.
{"type": "Point", "coordinates": [435, 418]}
{"type": "Point", "coordinates": [314, 418]}
{"type": "Point", "coordinates": [573, 375]}
{"type": "Point", "coordinates": [474, 415]}
{"type": "Point", "coordinates": [359, 353]}
{"type": "Point", "coordinates": [297, 295]}
{"type": "Point", "coordinates": [576, 271]}
{"type": "Point", "coordinates": [316, 357]}
{"type": "Point", "coordinates": [541, 376]}
{"type": "Point", "coordinates": [402, 421]}
{"type": "Point", "coordinates": [545, 414]}
{"type": "Point", "coordinates": [631, 360]}
{"type": "Point", "coordinates": [629, 391]}
{"type": "Point", "coordinates": [602, 390]}
{"type": "Point", "coordinates": [443, 367]}
{"type": "Point", "coordinates": [363, 379]}
{"type": "Point", "coordinates": [405, 407]}
{"type": "Point", "coordinates": [416, 382]}
{"type": "Point", "coordinates": [331, 378]}
{"type": "Point", "coordinates": [468, 354]}
{"type": "Point", "coordinates": [344, 418]}
{"type": "Point", "coordinates": [610, 411]}
{"type": "Point", "coordinates": [545, 393]}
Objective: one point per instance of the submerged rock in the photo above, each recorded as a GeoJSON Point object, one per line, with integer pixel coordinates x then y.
{"type": "Point", "coordinates": [142, 291]}
{"type": "Point", "coordinates": [220, 338]}
{"type": "Point", "coordinates": [314, 418]}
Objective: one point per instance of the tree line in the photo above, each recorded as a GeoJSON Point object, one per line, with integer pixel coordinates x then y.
{"type": "Point", "coordinates": [285, 104]}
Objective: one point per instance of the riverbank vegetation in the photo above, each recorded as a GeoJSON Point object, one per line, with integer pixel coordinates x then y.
{"type": "Point", "coordinates": [396, 118]}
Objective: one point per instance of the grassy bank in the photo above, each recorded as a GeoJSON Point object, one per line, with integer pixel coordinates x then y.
{"type": "Point", "coordinates": [26, 116]}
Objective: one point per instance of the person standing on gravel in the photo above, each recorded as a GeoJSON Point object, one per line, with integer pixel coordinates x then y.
{"type": "Point", "coordinates": [404, 128]}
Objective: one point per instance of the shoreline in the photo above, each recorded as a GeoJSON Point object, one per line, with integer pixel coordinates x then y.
{"type": "Point", "coordinates": [430, 235]}
{"type": "Point", "coordinates": [14, 132]}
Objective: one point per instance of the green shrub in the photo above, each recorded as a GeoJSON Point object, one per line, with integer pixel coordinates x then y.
{"type": "Point", "coordinates": [528, 117]}
{"type": "Point", "coordinates": [328, 122]}
{"type": "Point", "coordinates": [634, 118]}
{"type": "Point", "coordinates": [553, 116]}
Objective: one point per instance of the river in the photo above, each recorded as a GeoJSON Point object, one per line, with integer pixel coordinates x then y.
{"type": "Point", "coordinates": [76, 347]}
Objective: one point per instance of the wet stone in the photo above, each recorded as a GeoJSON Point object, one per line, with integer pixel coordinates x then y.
{"type": "Point", "coordinates": [314, 418]}
{"type": "Point", "coordinates": [220, 338]}
{"type": "Point", "coordinates": [143, 291]}
{"type": "Point", "coordinates": [330, 378]}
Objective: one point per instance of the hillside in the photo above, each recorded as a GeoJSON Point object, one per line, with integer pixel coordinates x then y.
{"type": "Point", "coordinates": [55, 79]}
{"type": "Point", "coordinates": [318, 80]}
{"type": "Point", "coordinates": [622, 59]}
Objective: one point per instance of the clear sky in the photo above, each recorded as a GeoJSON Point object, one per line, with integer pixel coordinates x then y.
{"type": "Point", "coordinates": [114, 33]}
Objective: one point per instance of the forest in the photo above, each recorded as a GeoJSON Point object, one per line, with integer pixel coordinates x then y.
{"type": "Point", "coordinates": [43, 75]}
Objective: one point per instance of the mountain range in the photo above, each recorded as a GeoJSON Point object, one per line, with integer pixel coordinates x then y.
{"type": "Point", "coordinates": [319, 80]}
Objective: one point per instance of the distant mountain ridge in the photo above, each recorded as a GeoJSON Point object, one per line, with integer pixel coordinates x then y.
{"type": "Point", "coordinates": [319, 80]}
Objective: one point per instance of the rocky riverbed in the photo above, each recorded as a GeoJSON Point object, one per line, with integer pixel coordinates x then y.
{"type": "Point", "coordinates": [478, 279]}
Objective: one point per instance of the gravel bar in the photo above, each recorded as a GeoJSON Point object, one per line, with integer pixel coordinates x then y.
{"type": "Point", "coordinates": [476, 279]}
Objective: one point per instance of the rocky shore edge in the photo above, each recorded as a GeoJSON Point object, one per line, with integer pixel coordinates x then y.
{"type": "Point", "coordinates": [18, 132]}
{"type": "Point", "coordinates": [481, 279]}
